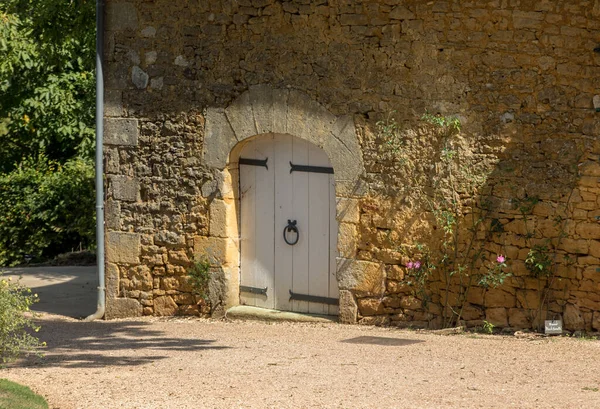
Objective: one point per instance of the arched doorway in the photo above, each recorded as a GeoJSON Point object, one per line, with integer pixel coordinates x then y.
{"type": "Point", "coordinates": [288, 227]}
{"type": "Point", "coordinates": [263, 110]}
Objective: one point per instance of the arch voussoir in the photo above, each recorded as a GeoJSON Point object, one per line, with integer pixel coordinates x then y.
{"type": "Point", "coordinates": [264, 109]}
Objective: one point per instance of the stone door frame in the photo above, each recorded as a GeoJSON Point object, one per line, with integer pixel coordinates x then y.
{"type": "Point", "coordinates": [266, 110]}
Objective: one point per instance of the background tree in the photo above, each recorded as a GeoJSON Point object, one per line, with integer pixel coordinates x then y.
{"type": "Point", "coordinates": [47, 108]}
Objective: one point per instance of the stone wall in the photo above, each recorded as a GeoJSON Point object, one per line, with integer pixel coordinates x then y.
{"type": "Point", "coordinates": [520, 76]}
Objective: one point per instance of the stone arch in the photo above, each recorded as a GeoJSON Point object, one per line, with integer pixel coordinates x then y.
{"type": "Point", "coordinates": [263, 109]}
{"type": "Point", "coordinates": [266, 110]}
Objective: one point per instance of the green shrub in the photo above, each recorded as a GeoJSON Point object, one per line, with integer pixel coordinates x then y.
{"type": "Point", "coordinates": [488, 327]}
{"type": "Point", "coordinates": [15, 323]}
{"type": "Point", "coordinates": [46, 209]}
{"type": "Point", "coordinates": [199, 276]}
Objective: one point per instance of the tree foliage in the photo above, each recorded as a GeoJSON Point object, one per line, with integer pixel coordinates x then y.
{"type": "Point", "coordinates": [46, 80]}
{"type": "Point", "coordinates": [47, 108]}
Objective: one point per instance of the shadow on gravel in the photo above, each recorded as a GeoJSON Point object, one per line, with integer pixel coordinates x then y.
{"type": "Point", "coordinates": [381, 341]}
{"type": "Point", "coordinates": [72, 344]}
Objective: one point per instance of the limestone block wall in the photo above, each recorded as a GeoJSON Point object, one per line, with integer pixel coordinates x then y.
{"type": "Point", "coordinates": [520, 75]}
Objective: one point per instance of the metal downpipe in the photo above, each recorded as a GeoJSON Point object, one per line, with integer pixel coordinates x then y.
{"type": "Point", "coordinates": [99, 162]}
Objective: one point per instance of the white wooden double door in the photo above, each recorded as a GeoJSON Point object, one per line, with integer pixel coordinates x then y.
{"type": "Point", "coordinates": [283, 179]}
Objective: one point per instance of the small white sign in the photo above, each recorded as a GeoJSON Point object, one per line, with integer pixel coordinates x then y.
{"type": "Point", "coordinates": [553, 327]}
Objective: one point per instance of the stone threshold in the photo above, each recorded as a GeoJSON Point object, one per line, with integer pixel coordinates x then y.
{"type": "Point", "coordinates": [245, 312]}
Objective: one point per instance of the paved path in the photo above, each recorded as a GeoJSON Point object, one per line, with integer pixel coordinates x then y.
{"type": "Point", "coordinates": [69, 291]}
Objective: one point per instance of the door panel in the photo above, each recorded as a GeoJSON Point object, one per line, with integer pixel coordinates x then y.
{"type": "Point", "coordinates": [247, 225]}
{"type": "Point", "coordinates": [300, 213]}
{"type": "Point", "coordinates": [257, 214]}
{"type": "Point", "coordinates": [264, 223]}
{"type": "Point", "coordinates": [269, 198]}
{"type": "Point", "coordinates": [284, 201]}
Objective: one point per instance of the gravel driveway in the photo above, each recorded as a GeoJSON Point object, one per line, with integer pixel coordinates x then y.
{"type": "Point", "coordinates": [193, 363]}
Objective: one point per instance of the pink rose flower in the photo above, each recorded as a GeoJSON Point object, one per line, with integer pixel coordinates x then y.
{"type": "Point", "coordinates": [500, 259]}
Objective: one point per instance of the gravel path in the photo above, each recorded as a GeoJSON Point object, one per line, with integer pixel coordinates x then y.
{"type": "Point", "coordinates": [192, 363]}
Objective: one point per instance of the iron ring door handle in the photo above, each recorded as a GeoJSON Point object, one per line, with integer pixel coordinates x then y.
{"type": "Point", "coordinates": [291, 227]}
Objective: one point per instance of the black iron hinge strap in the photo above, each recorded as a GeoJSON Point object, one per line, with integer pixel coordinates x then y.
{"type": "Point", "coordinates": [313, 169]}
{"type": "Point", "coordinates": [253, 290]}
{"type": "Point", "coordinates": [313, 298]}
{"type": "Point", "coordinates": [254, 162]}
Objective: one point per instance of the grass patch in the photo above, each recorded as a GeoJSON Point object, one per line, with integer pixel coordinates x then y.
{"type": "Point", "coordinates": [15, 396]}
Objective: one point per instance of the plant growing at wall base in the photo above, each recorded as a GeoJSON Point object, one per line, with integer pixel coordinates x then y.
{"type": "Point", "coordinates": [543, 258]}
{"type": "Point", "coordinates": [488, 327]}
{"type": "Point", "coordinates": [16, 324]}
{"type": "Point", "coordinates": [418, 270]}
{"type": "Point", "coordinates": [199, 276]}
{"type": "Point", "coordinates": [453, 175]}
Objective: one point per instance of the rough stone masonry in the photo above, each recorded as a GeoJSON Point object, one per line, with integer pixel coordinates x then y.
{"type": "Point", "coordinates": [183, 79]}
